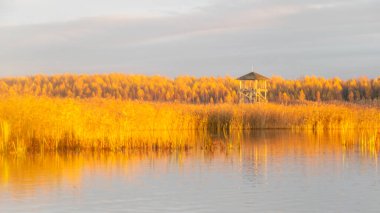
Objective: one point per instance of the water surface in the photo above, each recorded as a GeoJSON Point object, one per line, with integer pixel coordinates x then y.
{"type": "Point", "coordinates": [266, 171]}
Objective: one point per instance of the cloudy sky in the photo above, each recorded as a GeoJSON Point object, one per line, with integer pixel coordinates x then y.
{"type": "Point", "coordinates": [291, 38]}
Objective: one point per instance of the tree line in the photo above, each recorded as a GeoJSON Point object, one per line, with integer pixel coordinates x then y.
{"type": "Point", "coordinates": [188, 89]}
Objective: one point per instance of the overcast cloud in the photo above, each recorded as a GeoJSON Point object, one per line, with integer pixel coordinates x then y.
{"type": "Point", "coordinates": [290, 38]}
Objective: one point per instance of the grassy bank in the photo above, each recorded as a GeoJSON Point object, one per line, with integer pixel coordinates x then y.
{"type": "Point", "coordinates": [31, 123]}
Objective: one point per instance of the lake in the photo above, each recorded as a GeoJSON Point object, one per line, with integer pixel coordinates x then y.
{"type": "Point", "coordinates": [263, 171]}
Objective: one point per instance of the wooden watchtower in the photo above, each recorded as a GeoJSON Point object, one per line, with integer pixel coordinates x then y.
{"type": "Point", "coordinates": [253, 88]}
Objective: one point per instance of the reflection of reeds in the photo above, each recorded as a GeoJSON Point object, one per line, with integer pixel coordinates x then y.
{"type": "Point", "coordinates": [30, 123]}
{"type": "Point", "coordinates": [256, 153]}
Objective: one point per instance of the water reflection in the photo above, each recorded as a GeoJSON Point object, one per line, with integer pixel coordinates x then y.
{"type": "Point", "coordinates": [239, 170]}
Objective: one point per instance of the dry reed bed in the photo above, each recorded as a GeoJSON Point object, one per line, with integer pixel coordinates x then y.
{"type": "Point", "coordinates": [37, 123]}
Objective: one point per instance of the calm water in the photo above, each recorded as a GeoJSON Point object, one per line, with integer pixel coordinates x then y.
{"type": "Point", "coordinates": [266, 171]}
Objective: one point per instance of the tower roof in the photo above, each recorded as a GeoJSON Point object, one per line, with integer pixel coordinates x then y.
{"type": "Point", "coordinates": [252, 76]}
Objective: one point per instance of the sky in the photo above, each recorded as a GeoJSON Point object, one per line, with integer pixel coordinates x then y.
{"type": "Point", "coordinates": [288, 38]}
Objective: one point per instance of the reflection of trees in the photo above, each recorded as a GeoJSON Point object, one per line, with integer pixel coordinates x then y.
{"type": "Point", "coordinates": [267, 153]}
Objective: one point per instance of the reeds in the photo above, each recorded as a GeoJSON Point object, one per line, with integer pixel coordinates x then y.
{"type": "Point", "coordinates": [5, 133]}
{"type": "Point", "coordinates": [32, 123]}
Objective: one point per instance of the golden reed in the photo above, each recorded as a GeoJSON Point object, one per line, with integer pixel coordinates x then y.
{"type": "Point", "coordinates": [41, 123]}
